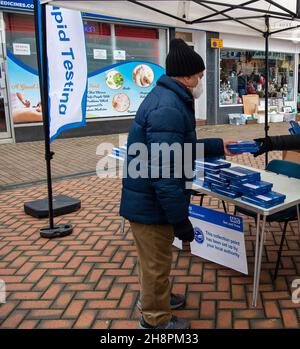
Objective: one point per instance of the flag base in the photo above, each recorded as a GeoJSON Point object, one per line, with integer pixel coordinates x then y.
{"type": "Point", "coordinates": [58, 231]}
{"type": "Point", "coordinates": [62, 204]}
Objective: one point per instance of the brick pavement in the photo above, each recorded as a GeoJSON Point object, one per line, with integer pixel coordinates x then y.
{"type": "Point", "coordinates": [89, 279]}
{"type": "Point", "coordinates": [24, 162]}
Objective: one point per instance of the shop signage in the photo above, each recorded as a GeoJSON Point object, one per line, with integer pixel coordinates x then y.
{"type": "Point", "coordinates": [219, 237]}
{"type": "Point", "coordinates": [216, 43]}
{"type": "Point", "coordinates": [67, 69]}
{"type": "Point", "coordinates": [22, 5]}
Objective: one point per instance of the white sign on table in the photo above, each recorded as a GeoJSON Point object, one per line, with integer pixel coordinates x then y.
{"type": "Point", "coordinates": [219, 237]}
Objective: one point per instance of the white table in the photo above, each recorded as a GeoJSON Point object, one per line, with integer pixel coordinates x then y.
{"type": "Point", "coordinates": [281, 184]}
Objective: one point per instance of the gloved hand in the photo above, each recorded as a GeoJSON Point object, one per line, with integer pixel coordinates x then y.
{"type": "Point", "coordinates": [265, 145]}
{"type": "Point", "coordinates": [184, 230]}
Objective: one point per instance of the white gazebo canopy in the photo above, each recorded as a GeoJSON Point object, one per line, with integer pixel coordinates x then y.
{"type": "Point", "coordinates": [224, 16]}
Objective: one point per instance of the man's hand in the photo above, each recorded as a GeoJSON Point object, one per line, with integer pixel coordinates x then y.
{"type": "Point", "coordinates": [184, 230]}
{"type": "Point", "coordinates": [226, 150]}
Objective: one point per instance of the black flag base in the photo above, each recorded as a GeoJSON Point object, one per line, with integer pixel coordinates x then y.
{"type": "Point", "coordinates": [62, 204]}
{"type": "Point", "coordinates": [58, 231]}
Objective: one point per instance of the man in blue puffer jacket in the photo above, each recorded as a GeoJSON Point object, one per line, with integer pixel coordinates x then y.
{"type": "Point", "coordinates": [157, 207]}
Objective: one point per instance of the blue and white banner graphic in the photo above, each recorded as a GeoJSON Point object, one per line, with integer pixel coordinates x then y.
{"type": "Point", "coordinates": [67, 69]}
{"type": "Point", "coordinates": [219, 238]}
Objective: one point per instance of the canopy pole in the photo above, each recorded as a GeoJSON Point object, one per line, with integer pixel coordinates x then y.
{"type": "Point", "coordinates": [267, 36]}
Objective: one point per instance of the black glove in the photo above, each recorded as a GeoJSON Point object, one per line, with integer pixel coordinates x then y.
{"type": "Point", "coordinates": [184, 230]}
{"type": "Point", "coordinates": [265, 145]}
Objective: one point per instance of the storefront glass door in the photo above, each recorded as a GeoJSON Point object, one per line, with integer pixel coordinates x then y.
{"type": "Point", "coordinates": [5, 130]}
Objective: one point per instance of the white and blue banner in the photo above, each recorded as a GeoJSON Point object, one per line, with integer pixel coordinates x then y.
{"type": "Point", "coordinates": [219, 237]}
{"type": "Point", "coordinates": [67, 69]}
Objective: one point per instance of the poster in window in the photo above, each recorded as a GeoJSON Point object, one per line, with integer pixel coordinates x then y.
{"type": "Point", "coordinates": [119, 55]}
{"type": "Point", "coordinates": [118, 90]}
{"type": "Point", "coordinates": [100, 54]}
{"type": "Point", "coordinates": [21, 49]}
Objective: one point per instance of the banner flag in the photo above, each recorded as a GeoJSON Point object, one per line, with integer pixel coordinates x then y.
{"type": "Point", "coordinates": [67, 69]}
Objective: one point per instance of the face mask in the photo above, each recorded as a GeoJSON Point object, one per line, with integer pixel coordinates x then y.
{"type": "Point", "coordinates": [198, 90]}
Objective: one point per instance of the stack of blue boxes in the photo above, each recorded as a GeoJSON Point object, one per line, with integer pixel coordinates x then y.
{"type": "Point", "coordinates": [235, 182]}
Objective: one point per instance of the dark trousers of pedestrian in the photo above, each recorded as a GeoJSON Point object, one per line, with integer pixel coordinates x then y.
{"type": "Point", "coordinates": [154, 248]}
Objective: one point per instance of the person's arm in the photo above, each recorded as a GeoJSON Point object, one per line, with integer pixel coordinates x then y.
{"type": "Point", "coordinates": [216, 147]}
{"type": "Point", "coordinates": [289, 142]}
{"type": "Point", "coordinates": [213, 147]}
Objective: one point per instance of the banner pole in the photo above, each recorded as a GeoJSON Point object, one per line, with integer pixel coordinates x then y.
{"type": "Point", "coordinates": [40, 18]}
{"type": "Point", "coordinates": [41, 43]}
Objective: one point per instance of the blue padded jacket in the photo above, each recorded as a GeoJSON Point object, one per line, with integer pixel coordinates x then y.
{"type": "Point", "coordinates": [165, 116]}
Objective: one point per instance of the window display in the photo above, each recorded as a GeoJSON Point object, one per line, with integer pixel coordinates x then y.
{"type": "Point", "coordinates": [124, 63]}
{"type": "Point", "coordinates": [243, 73]}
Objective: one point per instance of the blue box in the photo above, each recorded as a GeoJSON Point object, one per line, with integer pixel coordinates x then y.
{"type": "Point", "coordinates": [224, 191]}
{"type": "Point", "coordinates": [201, 169]}
{"type": "Point", "coordinates": [212, 165]}
{"type": "Point", "coordinates": [266, 200]}
{"type": "Point", "coordinates": [213, 181]}
{"type": "Point", "coordinates": [256, 188]}
{"type": "Point", "coordinates": [240, 175]}
{"type": "Point", "coordinates": [217, 178]}
{"type": "Point", "coordinates": [243, 147]}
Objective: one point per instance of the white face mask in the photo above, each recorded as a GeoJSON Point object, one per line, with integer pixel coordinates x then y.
{"type": "Point", "coordinates": [198, 90]}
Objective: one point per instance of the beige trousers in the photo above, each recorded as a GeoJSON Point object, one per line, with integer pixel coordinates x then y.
{"type": "Point", "coordinates": [154, 249]}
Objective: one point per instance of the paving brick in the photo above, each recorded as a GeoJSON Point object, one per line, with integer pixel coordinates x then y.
{"type": "Point", "coordinates": [290, 318]}
{"type": "Point", "coordinates": [74, 309]}
{"type": "Point", "coordinates": [86, 319]}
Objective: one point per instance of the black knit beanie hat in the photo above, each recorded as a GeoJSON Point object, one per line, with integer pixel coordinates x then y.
{"type": "Point", "coordinates": [182, 60]}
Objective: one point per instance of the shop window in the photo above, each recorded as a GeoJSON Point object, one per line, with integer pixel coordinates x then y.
{"type": "Point", "coordinates": [243, 72]}
{"type": "Point", "coordinates": [108, 44]}
{"type": "Point", "coordinates": [19, 29]}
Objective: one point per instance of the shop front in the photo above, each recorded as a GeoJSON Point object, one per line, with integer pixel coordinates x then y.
{"type": "Point", "coordinates": [125, 60]}
{"type": "Point", "coordinates": [241, 71]}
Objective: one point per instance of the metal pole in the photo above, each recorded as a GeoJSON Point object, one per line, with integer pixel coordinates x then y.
{"type": "Point", "coordinates": [267, 35]}
{"type": "Point", "coordinates": [41, 41]}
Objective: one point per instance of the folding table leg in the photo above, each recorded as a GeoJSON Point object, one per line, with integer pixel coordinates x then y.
{"type": "Point", "coordinates": [298, 215]}
{"type": "Point", "coordinates": [256, 255]}
{"type": "Point", "coordinates": [280, 250]}
{"type": "Point", "coordinates": [122, 225]}
{"type": "Point", "coordinates": [261, 245]}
